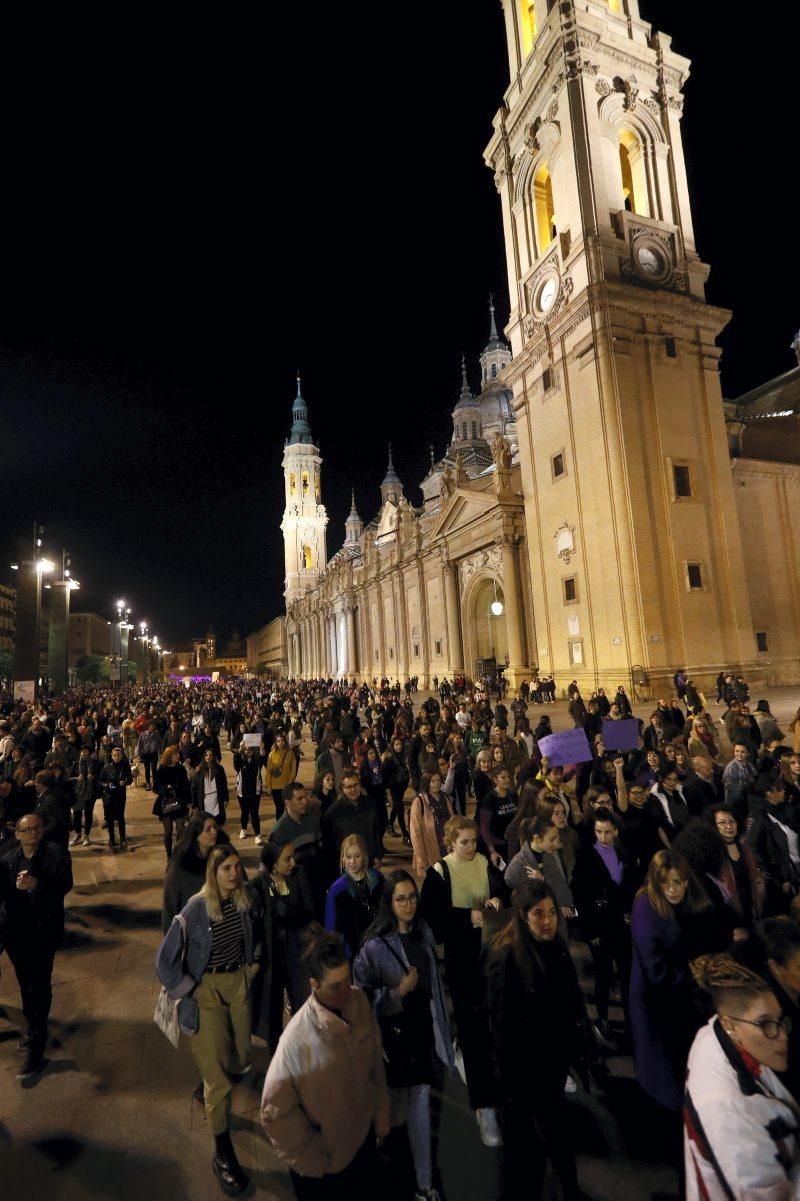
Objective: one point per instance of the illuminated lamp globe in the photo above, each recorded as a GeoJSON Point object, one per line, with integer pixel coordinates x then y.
{"type": "Point", "coordinates": [497, 608]}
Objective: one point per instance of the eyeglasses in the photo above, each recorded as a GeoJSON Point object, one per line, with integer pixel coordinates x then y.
{"type": "Point", "coordinates": [771, 1028]}
{"type": "Point", "coordinates": [409, 899]}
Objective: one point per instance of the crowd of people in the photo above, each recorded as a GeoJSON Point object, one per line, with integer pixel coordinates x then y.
{"type": "Point", "coordinates": [442, 897]}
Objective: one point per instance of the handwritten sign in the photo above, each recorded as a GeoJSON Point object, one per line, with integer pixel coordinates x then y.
{"type": "Point", "coordinates": [622, 735]}
{"type": "Point", "coordinates": [252, 740]}
{"type": "Point", "coordinates": [568, 746]}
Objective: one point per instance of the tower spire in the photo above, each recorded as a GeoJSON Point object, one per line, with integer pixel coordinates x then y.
{"type": "Point", "coordinates": [493, 334]}
{"type": "Point", "coordinates": [301, 430]}
{"type": "Point", "coordinates": [391, 488]}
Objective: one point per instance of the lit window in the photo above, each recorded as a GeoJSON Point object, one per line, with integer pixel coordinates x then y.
{"type": "Point", "coordinates": [292, 485]}
{"type": "Point", "coordinates": [543, 203]}
{"type": "Point", "coordinates": [307, 558]}
{"type": "Point", "coordinates": [527, 20]}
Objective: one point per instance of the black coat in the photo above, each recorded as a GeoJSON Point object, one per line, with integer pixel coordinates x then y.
{"type": "Point", "coordinates": [701, 793]}
{"type": "Point", "coordinates": [770, 847]}
{"type": "Point", "coordinates": [600, 901]}
{"type": "Point", "coordinates": [26, 916]}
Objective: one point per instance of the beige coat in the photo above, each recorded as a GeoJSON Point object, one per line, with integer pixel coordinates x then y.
{"type": "Point", "coordinates": [325, 1087]}
{"type": "Point", "coordinates": [422, 828]}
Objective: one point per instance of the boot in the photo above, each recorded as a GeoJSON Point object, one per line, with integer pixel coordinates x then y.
{"type": "Point", "coordinates": [227, 1168]}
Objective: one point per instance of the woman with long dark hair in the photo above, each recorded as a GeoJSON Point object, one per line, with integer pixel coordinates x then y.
{"type": "Point", "coordinates": [539, 1027]}
{"type": "Point", "coordinates": [397, 777]}
{"type": "Point", "coordinates": [187, 867]}
{"type": "Point", "coordinates": [430, 811]}
{"type": "Point", "coordinates": [397, 969]}
{"type": "Point", "coordinates": [323, 791]}
{"type": "Point", "coordinates": [663, 1016]}
{"type": "Point", "coordinates": [209, 787]}
{"type": "Point", "coordinates": [288, 907]}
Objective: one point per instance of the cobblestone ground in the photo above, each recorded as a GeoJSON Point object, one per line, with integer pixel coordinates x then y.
{"type": "Point", "coordinates": [112, 1118]}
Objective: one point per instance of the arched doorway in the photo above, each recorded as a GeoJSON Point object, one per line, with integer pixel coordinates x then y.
{"type": "Point", "coordinates": [488, 637]}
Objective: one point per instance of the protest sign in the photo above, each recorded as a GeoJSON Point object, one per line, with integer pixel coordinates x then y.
{"type": "Point", "coordinates": [568, 746]}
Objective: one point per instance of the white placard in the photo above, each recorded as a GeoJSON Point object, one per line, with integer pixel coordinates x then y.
{"type": "Point", "coordinates": [252, 740]}
{"type": "Point", "coordinates": [25, 690]}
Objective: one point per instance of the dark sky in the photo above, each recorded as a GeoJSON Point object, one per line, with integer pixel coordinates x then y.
{"type": "Point", "coordinates": [194, 207]}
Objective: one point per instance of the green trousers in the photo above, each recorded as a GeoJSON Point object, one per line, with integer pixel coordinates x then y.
{"type": "Point", "coordinates": [221, 1045]}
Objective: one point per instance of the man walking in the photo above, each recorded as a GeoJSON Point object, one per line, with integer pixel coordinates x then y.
{"type": "Point", "coordinates": [34, 879]}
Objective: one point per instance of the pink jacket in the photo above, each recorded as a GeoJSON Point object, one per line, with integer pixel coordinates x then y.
{"type": "Point", "coordinates": [325, 1087]}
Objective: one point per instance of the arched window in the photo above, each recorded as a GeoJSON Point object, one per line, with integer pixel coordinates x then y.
{"type": "Point", "coordinates": [494, 370]}
{"type": "Point", "coordinates": [474, 429]}
{"type": "Point", "coordinates": [307, 558]}
{"type": "Point", "coordinates": [527, 22]}
{"type": "Point", "coordinates": [543, 204]}
{"type": "Point", "coordinates": [632, 170]}
{"type": "Point", "coordinates": [292, 484]}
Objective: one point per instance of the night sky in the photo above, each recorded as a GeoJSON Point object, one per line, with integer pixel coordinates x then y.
{"type": "Point", "coordinates": [192, 211]}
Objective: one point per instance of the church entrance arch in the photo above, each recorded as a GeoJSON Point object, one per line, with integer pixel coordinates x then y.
{"type": "Point", "coordinates": [485, 632]}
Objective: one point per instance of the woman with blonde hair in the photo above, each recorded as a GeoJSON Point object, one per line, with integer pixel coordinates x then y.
{"type": "Point", "coordinates": [208, 960]}
{"type": "Point", "coordinates": [740, 1121]}
{"type": "Point", "coordinates": [352, 901]}
{"type": "Point", "coordinates": [702, 740]}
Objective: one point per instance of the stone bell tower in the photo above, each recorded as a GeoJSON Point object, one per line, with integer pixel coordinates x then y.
{"type": "Point", "coordinates": [634, 544]}
{"type": "Point", "coordinates": [304, 517]}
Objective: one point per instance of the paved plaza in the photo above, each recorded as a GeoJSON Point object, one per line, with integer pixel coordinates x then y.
{"type": "Point", "coordinates": [113, 1119]}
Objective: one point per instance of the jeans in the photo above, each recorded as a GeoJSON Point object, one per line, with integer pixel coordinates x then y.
{"type": "Point", "coordinates": [87, 813]}
{"type": "Point", "coordinates": [174, 822]}
{"type": "Point", "coordinates": [150, 764]}
{"type": "Point", "coordinates": [413, 1106]}
{"type": "Point", "coordinates": [398, 813]}
{"type": "Point", "coordinates": [249, 806]}
{"type": "Point", "coordinates": [114, 811]}
{"type": "Point", "coordinates": [33, 964]}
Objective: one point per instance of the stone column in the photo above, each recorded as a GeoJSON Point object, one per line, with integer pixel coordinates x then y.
{"type": "Point", "coordinates": [455, 650]}
{"type": "Point", "coordinates": [352, 654]}
{"type": "Point", "coordinates": [517, 667]}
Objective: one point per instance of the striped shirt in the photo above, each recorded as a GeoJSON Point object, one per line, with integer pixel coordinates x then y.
{"type": "Point", "coordinates": [227, 937]}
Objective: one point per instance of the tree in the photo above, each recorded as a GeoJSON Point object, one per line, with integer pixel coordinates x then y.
{"type": "Point", "coordinates": [261, 669]}
{"type": "Point", "coordinates": [6, 664]}
{"type": "Point", "coordinates": [89, 669]}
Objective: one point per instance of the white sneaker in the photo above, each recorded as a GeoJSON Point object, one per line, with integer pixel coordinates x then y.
{"type": "Point", "coordinates": [259, 840]}
{"type": "Point", "coordinates": [243, 834]}
{"type": "Point", "coordinates": [86, 842]}
{"type": "Point", "coordinates": [73, 839]}
{"type": "Point", "coordinates": [570, 1087]}
{"type": "Point", "coordinates": [489, 1128]}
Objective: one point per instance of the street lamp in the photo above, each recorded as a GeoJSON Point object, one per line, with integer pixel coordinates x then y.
{"type": "Point", "coordinates": [496, 605]}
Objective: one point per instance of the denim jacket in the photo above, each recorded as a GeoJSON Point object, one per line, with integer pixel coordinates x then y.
{"type": "Point", "coordinates": [180, 974]}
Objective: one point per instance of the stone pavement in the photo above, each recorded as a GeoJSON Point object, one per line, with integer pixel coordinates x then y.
{"type": "Point", "coordinates": [112, 1118]}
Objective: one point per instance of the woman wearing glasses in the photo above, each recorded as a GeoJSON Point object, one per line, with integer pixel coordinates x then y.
{"type": "Point", "coordinates": [397, 969]}
{"type": "Point", "coordinates": [740, 1122]}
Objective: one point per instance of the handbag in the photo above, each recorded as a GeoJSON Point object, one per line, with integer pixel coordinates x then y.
{"type": "Point", "coordinates": [170, 802]}
{"type": "Point", "coordinates": [166, 1011]}
{"type": "Point", "coordinates": [277, 772]}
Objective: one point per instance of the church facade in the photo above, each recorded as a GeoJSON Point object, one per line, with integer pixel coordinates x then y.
{"type": "Point", "coordinates": [591, 518]}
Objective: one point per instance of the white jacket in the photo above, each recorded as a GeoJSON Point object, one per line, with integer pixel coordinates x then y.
{"type": "Point", "coordinates": [325, 1087]}
{"type": "Point", "coordinates": [740, 1133]}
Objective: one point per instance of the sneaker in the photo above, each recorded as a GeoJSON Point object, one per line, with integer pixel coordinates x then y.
{"type": "Point", "coordinates": [426, 1194]}
{"type": "Point", "coordinates": [73, 839]}
{"type": "Point", "coordinates": [489, 1127]}
{"type": "Point", "coordinates": [570, 1087]}
{"type": "Point", "coordinates": [123, 846]}
{"type": "Point", "coordinates": [33, 1065]}
{"type": "Point", "coordinates": [259, 840]}
{"type": "Point", "coordinates": [86, 842]}
{"type": "Point", "coordinates": [243, 834]}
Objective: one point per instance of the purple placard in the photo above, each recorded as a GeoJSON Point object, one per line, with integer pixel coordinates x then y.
{"type": "Point", "coordinates": [568, 746]}
{"type": "Point", "coordinates": [621, 735]}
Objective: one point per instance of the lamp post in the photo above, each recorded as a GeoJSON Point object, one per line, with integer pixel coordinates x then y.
{"type": "Point", "coordinates": [28, 668]}
{"type": "Point", "coordinates": [119, 649]}
{"type": "Point", "coordinates": [58, 626]}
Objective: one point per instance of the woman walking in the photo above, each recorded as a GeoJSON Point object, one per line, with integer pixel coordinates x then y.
{"type": "Point", "coordinates": [539, 1026]}
{"type": "Point", "coordinates": [172, 796]}
{"type": "Point", "coordinates": [430, 811]}
{"type": "Point", "coordinates": [208, 959]}
{"type": "Point", "coordinates": [352, 902]}
{"type": "Point", "coordinates": [209, 787]}
{"type": "Point", "coordinates": [281, 770]}
{"type": "Point", "coordinates": [397, 969]}
{"type": "Point", "coordinates": [288, 907]}
{"type": "Point", "coordinates": [187, 868]}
